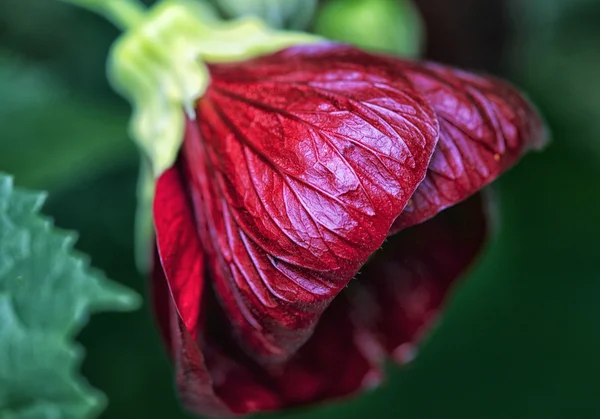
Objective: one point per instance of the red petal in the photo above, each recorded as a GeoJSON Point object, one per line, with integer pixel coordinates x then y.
{"type": "Point", "coordinates": [178, 289]}
{"type": "Point", "coordinates": [485, 126]}
{"type": "Point", "coordinates": [333, 363]}
{"type": "Point", "coordinates": [401, 290]}
{"type": "Point", "coordinates": [297, 165]}
{"type": "Point", "coordinates": [193, 380]}
{"type": "Point", "coordinates": [214, 376]}
{"type": "Point", "coordinates": [179, 246]}
{"type": "Point", "coordinates": [339, 359]}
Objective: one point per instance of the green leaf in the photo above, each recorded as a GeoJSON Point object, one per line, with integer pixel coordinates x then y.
{"type": "Point", "coordinates": [47, 292]}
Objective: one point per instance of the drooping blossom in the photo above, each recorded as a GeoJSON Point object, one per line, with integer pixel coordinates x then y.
{"type": "Point", "coordinates": [324, 202]}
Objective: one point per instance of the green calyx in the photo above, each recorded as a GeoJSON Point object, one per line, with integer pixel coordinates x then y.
{"type": "Point", "coordinates": [159, 64]}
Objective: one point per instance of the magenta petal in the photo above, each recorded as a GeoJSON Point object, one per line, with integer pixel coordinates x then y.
{"type": "Point", "coordinates": [485, 127]}
{"type": "Point", "coordinates": [297, 165]}
{"type": "Point", "coordinates": [403, 287]}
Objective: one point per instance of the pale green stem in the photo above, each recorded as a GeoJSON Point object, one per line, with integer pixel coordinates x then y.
{"type": "Point", "coordinates": [124, 14]}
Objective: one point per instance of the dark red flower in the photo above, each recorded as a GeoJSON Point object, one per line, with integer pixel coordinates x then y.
{"type": "Point", "coordinates": [295, 170]}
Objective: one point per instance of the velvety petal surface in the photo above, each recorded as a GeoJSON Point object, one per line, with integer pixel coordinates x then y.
{"type": "Point", "coordinates": [402, 289]}
{"type": "Point", "coordinates": [297, 164]}
{"type": "Point", "coordinates": [486, 125]}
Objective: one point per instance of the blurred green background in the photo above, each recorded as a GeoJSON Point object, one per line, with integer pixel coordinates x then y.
{"type": "Point", "coordinates": [520, 338]}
